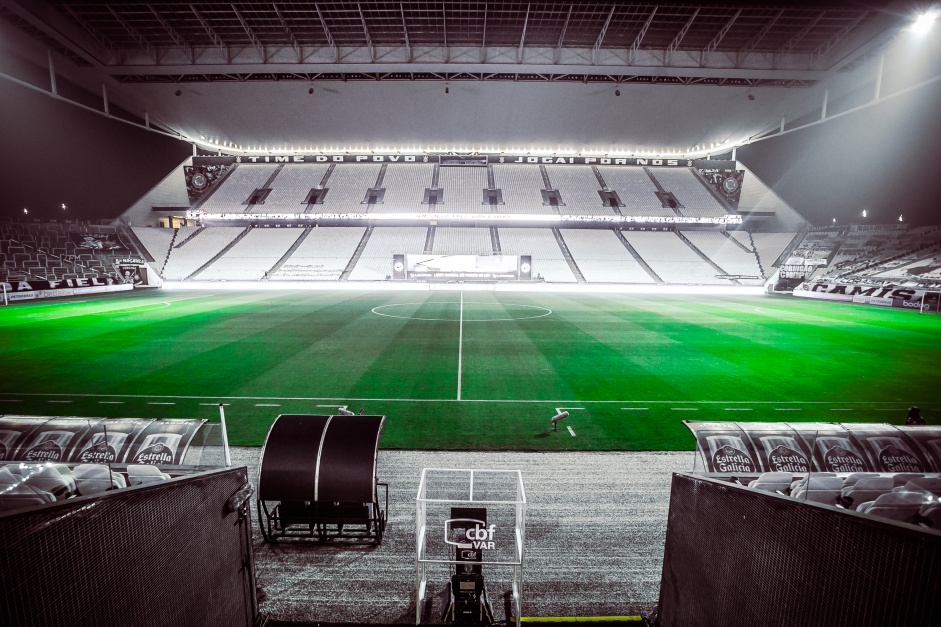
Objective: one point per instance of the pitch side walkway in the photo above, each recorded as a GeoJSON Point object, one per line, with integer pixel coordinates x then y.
{"type": "Point", "coordinates": [594, 546]}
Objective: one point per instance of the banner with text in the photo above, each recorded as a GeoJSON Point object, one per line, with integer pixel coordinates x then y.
{"type": "Point", "coordinates": [885, 295]}
{"type": "Point", "coordinates": [462, 267]}
{"type": "Point", "coordinates": [754, 447]}
{"type": "Point", "coordinates": [201, 165]}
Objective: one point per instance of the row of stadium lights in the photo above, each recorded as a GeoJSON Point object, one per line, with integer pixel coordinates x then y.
{"type": "Point", "coordinates": [921, 25]}
{"type": "Point", "coordinates": [62, 207]}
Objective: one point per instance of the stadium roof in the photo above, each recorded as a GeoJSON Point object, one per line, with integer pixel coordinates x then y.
{"type": "Point", "coordinates": [742, 68]}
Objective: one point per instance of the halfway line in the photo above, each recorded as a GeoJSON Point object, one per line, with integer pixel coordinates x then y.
{"type": "Point", "coordinates": [460, 347]}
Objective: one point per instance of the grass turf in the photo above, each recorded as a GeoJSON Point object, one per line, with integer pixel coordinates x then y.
{"type": "Point", "coordinates": [472, 370]}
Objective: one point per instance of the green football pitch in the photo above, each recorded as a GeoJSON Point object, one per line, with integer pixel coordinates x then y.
{"type": "Point", "coordinates": [471, 370]}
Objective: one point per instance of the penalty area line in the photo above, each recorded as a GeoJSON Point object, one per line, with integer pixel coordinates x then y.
{"type": "Point", "coordinates": [460, 347]}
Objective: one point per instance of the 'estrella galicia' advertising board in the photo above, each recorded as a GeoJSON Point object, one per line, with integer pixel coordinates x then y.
{"type": "Point", "coordinates": [52, 441]}
{"type": "Point", "coordinates": [890, 450]}
{"type": "Point", "coordinates": [108, 441]}
{"type": "Point", "coordinates": [163, 442]}
{"type": "Point", "coordinates": [927, 439]}
{"type": "Point", "coordinates": [779, 447]}
{"type": "Point", "coordinates": [724, 447]}
{"type": "Point", "coordinates": [13, 431]}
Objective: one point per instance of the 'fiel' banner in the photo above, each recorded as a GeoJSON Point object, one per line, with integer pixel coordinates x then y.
{"type": "Point", "coordinates": [754, 447]}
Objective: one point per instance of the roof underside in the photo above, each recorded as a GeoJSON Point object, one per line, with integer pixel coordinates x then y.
{"type": "Point", "coordinates": [546, 75]}
{"type": "Point", "coordinates": [166, 35]}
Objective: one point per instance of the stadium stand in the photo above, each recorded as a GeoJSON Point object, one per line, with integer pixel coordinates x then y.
{"type": "Point", "coordinates": [232, 194]}
{"type": "Point", "coordinates": [548, 260]}
{"type": "Point", "coordinates": [463, 189]}
{"type": "Point", "coordinates": [347, 187]}
{"type": "Point", "coordinates": [375, 262]}
{"type": "Point", "coordinates": [727, 254]}
{"type": "Point", "coordinates": [690, 191]}
{"type": "Point", "coordinates": [579, 188]}
{"type": "Point", "coordinates": [672, 259]}
{"type": "Point", "coordinates": [322, 255]}
{"type": "Point", "coordinates": [198, 248]}
{"type": "Point", "coordinates": [636, 191]}
{"type": "Point", "coordinates": [462, 241]}
{"type": "Point", "coordinates": [522, 189]}
{"type": "Point", "coordinates": [769, 246]}
{"type": "Point", "coordinates": [603, 258]}
{"type": "Point", "coordinates": [157, 242]}
{"type": "Point", "coordinates": [291, 187]}
{"type": "Point", "coordinates": [252, 256]}
{"type": "Point", "coordinates": [52, 252]}
{"type": "Point", "coordinates": [404, 185]}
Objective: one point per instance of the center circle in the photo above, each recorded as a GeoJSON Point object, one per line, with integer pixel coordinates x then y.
{"type": "Point", "coordinates": [528, 312]}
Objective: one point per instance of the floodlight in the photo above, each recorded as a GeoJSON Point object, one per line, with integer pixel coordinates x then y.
{"type": "Point", "coordinates": [924, 22]}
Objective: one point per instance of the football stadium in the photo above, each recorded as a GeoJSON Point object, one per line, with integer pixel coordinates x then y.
{"type": "Point", "coordinates": [372, 313]}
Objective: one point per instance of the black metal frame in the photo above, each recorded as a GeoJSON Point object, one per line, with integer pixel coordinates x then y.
{"type": "Point", "coordinates": [307, 520]}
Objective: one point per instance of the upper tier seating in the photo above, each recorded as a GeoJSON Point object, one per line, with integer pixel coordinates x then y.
{"type": "Point", "coordinates": [690, 191]}
{"type": "Point", "coordinates": [636, 191]}
{"type": "Point", "coordinates": [522, 189]}
{"type": "Point", "coordinates": [347, 187]}
{"type": "Point", "coordinates": [462, 241]}
{"type": "Point", "coordinates": [548, 260]}
{"type": "Point", "coordinates": [290, 188]}
{"type": "Point", "coordinates": [375, 263]}
{"type": "Point", "coordinates": [727, 255]}
{"type": "Point", "coordinates": [323, 255]}
{"type": "Point", "coordinates": [602, 257]}
{"type": "Point", "coordinates": [252, 256]}
{"type": "Point", "coordinates": [579, 188]}
{"type": "Point", "coordinates": [463, 190]}
{"type": "Point", "coordinates": [405, 185]}
{"type": "Point", "coordinates": [189, 256]}
{"type": "Point", "coordinates": [231, 195]}
{"type": "Point", "coordinates": [672, 259]}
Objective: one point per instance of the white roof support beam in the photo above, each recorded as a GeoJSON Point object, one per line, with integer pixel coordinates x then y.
{"type": "Point", "coordinates": [483, 39]}
{"type": "Point", "coordinates": [175, 36]}
{"type": "Point", "coordinates": [289, 33]}
{"type": "Point", "coordinates": [408, 44]}
{"type": "Point", "coordinates": [519, 51]}
{"type": "Point", "coordinates": [797, 38]}
{"type": "Point", "coordinates": [216, 39]}
{"type": "Point", "coordinates": [711, 47]}
{"type": "Point", "coordinates": [640, 36]}
{"type": "Point", "coordinates": [557, 54]}
{"type": "Point", "coordinates": [828, 45]}
{"type": "Point", "coordinates": [444, 22]}
{"type": "Point", "coordinates": [140, 39]}
{"type": "Point", "coordinates": [256, 43]}
{"type": "Point", "coordinates": [600, 40]}
{"type": "Point", "coordinates": [679, 38]}
{"type": "Point", "coordinates": [744, 52]}
{"type": "Point", "coordinates": [326, 31]}
{"type": "Point", "coordinates": [369, 46]}
{"type": "Point", "coordinates": [91, 31]}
